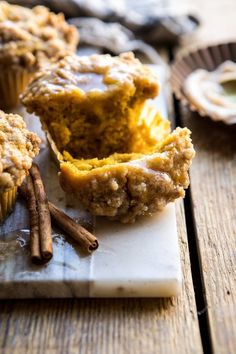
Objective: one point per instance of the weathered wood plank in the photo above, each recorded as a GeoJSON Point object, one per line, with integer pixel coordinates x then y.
{"type": "Point", "coordinates": [213, 189]}
{"type": "Point", "coordinates": [105, 326]}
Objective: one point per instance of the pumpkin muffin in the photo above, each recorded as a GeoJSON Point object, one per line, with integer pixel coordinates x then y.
{"type": "Point", "coordinates": [29, 38]}
{"type": "Point", "coordinates": [91, 105]}
{"type": "Point", "coordinates": [18, 146]}
{"type": "Point", "coordinates": [116, 153]}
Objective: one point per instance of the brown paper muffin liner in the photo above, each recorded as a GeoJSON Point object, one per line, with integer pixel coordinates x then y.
{"type": "Point", "coordinates": [55, 153]}
{"type": "Point", "coordinates": [208, 58]}
{"type": "Point", "coordinates": [7, 202]}
{"type": "Point", "coordinates": [12, 84]}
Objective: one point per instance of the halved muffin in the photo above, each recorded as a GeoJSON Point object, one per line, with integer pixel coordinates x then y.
{"type": "Point", "coordinates": [116, 153]}
{"type": "Point", "coordinates": [29, 38]}
{"type": "Point", "coordinates": [18, 146]}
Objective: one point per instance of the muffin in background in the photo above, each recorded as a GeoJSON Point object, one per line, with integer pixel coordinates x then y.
{"type": "Point", "coordinates": [18, 146]}
{"type": "Point", "coordinates": [29, 39]}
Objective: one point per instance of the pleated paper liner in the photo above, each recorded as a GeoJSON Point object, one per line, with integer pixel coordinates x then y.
{"type": "Point", "coordinates": [208, 58]}
{"type": "Point", "coordinates": [55, 153]}
{"type": "Point", "coordinates": [7, 203]}
{"type": "Point", "coordinates": [12, 83]}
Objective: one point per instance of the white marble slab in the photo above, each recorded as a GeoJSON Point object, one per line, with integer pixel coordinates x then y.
{"type": "Point", "coordinates": [138, 260]}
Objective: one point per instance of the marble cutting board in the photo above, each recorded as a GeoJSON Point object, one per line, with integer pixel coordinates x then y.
{"type": "Point", "coordinates": [138, 260]}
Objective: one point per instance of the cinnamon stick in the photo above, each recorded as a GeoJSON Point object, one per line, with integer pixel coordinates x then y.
{"type": "Point", "coordinates": [27, 191]}
{"type": "Point", "coordinates": [87, 240]}
{"type": "Point", "coordinates": [43, 214]}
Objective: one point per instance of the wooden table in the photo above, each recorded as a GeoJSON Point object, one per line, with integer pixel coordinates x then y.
{"type": "Point", "coordinates": [203, 317]}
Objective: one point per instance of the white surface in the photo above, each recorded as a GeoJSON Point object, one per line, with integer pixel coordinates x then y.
{"type": "Point", "coordinates": [137, 260]}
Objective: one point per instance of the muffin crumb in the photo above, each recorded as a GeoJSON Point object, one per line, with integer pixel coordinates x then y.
{"type": "Point", "coordinates": [18, 146]}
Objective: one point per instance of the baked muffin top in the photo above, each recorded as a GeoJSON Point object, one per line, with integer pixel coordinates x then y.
{"type": "Point", "coordinates": [18, 146]}
{"type": "Point", "coordinates": [93, 76]}
{"type": "Point", "coordinates": [92, 105]}
{"type": "Point", "coordinates": [28, 37]}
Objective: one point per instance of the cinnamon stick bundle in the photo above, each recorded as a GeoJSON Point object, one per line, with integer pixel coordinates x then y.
{"type": "Point", "coordinates": [87, 240]}
{"type": "Point", "coordinates": [40, 221]}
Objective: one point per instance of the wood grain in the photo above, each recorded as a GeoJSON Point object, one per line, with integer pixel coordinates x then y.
{"type": "Point", "coordinates": [213, 190]}
{"type": "Point", "coordinates": [105, 326]}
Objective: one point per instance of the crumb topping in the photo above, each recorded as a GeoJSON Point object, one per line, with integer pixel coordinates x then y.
{"type": "Point", "coordinates": [125, 186]}
{"type": "Point", "coordinates": [29, 37]}
{"type": "Point", "coordinates": [92, 75]}
{"type": "Point", "coordinates": [18, 146]}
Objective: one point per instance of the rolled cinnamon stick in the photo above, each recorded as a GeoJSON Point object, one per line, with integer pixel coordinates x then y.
{"type": "Point", "coordinates": [87, 240]}
{"type": "Point", "coordinates": [43, 214]}
{"type": "Point", "coordinates": [27, 191]}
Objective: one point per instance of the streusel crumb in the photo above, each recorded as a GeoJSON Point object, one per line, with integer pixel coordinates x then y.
{"type": "Point", "coordinates": [125, 186]}
{"type": "Point", "coordinates": [18, 146]}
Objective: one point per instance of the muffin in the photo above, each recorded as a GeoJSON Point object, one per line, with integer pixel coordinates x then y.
{"type": "Point", "coordinates": [18, 146]}
{"type": "Point", "coordinates": [116, 153]}
{"type": "Point", "coordinates": [28, 40]}
{"type": "Point", "coordinates": [91, 105]}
